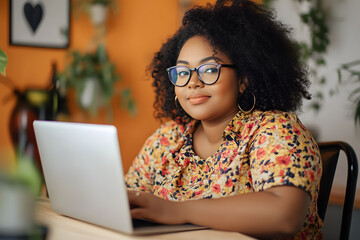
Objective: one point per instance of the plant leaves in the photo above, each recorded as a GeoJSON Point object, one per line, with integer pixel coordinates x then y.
{"type": "Point", "coordinates": [357, 113]}
{"type": "Point", "coordinates": [94, 65]}
{"type": "Point", "coordinates": [29, 174]}
{"type": "Point", "coordinates": [3, 62]}
{"type": "Point", "coordinates": [339, 76]}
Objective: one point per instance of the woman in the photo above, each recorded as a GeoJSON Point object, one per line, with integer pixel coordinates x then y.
{"type": "Point", "coordinates": [230, 80]}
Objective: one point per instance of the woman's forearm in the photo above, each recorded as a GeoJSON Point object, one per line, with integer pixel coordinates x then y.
{"type": "Point", "coordinates": [261, 214]}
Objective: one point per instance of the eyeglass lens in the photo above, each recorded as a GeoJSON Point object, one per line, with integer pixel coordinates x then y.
{"type": "Point", "coordinates": [208, 73]}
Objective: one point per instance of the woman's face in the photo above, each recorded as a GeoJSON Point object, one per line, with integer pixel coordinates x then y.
{"type": "Point", "coordinates": [207, 102]}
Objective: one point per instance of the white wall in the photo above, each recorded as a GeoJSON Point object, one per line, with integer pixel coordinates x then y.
{"type": "Point", "coordinates": [335, 119]}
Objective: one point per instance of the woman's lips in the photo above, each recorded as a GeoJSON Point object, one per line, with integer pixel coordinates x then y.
{"type": "Point", "coordinates": [198, 99]}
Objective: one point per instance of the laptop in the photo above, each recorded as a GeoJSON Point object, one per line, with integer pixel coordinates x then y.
{"type": "Point", "coordinates": [85, 179]}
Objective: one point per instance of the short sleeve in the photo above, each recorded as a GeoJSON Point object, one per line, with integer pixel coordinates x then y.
{"type": "Point", "coordinates": [138, 175]}
{"type": "Point", "coordinates": [283, 152]}
{"type": "Point", "coordinates": [141, 173]}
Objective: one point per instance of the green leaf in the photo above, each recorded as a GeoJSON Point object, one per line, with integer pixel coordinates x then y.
{"type": "Point", "coordinates": [64, 32]}
{"type": "Point", "coordinates": [339, 76]}
{"type": "Point", "coordinates": [354, 72]}
{"type": "Point", "coordinates": [103, 2]}
{"type": "Point", "coordinates": [355, 92]}
{"type": "Point", "coordinates": [29, 174]}
{"type": "Point", "coordinates": [322, 80]}
{"type": "Point", "coordinates": [315, 106]}
{"type": "Point", "coordinates": [350, 64]}
{"type": "Point", "coordinates": [319, 95]}
{"type": "Point", "coordinates": [320, 61]}
{"type": "Point", "coordinates": [132, 108]}
{"type": "Point", "coordinates": [3, 62]}
{"type": "Point", "coordinates": [357, 113]}
{"type": "Point", "coordinates": [101, 54]}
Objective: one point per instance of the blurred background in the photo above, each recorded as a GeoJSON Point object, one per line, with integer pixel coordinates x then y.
{"type": "Point", "coordinates": [135, 30]}
{"type": "Point", "coordinates": [125, 41]}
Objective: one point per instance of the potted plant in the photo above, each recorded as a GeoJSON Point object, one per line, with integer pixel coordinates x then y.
{"type": "Point", "coordinates": [92, 76]}
{"type": "Point", "coordinates": [18, 188]}
{"type": "Point", "coordinates": [96, 9]}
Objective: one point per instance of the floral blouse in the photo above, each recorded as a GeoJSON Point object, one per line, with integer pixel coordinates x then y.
{"type": "Point", "coordinates": [260, 150]}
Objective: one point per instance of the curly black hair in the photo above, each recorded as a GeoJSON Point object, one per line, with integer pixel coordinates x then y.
{"type": "Point", "coordinates": [261, 48]}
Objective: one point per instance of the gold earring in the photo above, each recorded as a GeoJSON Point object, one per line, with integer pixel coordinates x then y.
{"type": "Point", "coordinates": [176, 100]}
{"type": "Point", "coordinates": [248, 111]}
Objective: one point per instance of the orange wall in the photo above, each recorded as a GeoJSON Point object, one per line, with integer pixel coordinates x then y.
{"type": "Point", "coordinates": [133, 35]}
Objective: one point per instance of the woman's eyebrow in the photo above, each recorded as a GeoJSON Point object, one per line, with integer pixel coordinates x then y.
{"type": "Point", "coordinates": [182, 61]}
{"type": "Point", "coordinates": [211, 58]}
{"type": "Point", "coordinates": [202, 60]}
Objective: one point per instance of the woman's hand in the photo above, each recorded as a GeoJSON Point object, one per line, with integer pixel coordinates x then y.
{"type": "Point", "coordinates": [147, 206]}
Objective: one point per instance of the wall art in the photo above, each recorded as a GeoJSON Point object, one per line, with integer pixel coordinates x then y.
{"type": "Point", "coordinates": [39, 23]}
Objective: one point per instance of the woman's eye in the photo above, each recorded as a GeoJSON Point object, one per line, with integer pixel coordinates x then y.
{"type": "Point", "coordinates": [211, 70]}
{"type": "Point", "coordinates": [183, 73]}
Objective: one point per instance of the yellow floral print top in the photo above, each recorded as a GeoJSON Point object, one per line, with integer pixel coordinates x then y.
{"type": "Point", "coordinates": [260, 150]}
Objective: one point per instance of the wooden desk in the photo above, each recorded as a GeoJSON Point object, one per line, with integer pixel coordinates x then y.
{"type": "Point", "coordinates": [61, 227]}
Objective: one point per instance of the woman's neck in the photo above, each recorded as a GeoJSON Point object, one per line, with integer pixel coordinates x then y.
{"type": "Point", "coordinates": [214, 130]}
{"type": "Point", "coordinates": [207, 137]}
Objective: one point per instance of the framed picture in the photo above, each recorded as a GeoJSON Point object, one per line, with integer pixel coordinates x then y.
{"type": "Point", "coordinates": [39, 23]}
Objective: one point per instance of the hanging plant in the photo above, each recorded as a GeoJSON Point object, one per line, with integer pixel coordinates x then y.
{"type": "Point", "coordinates": [92, 76]}
{"type": "Point", "coordinates": [85, 6]}
{"type": "Point", "coordinates": [352, 72]}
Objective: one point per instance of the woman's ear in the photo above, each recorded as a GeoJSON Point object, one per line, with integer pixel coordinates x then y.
{"type": "Point", "coordinates": [243, 84]}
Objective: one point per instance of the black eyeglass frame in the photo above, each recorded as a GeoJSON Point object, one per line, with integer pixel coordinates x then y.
{"type": "Point", "coordinates": [218, 65]}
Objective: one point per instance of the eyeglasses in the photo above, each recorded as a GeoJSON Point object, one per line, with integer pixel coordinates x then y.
{"type": "Point", "coordinates": [208, 73]}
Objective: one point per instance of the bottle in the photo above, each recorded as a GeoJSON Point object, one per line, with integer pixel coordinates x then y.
{"type": "Point", "coordinates": [58, 106]}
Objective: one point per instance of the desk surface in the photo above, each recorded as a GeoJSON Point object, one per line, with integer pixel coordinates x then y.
{"type": "Point", "coordinates": [61, 227]}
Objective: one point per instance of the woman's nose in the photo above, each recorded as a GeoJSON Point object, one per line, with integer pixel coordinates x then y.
{"type": "Point", "coordinates": [194, 81]}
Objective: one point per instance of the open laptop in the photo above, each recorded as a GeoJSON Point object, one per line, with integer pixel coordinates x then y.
{"type": "Point", "coordinates": [85, 179]}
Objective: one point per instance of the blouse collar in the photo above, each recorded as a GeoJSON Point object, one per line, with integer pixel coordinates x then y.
{"type": "Point", "coordinates": [232, 129]}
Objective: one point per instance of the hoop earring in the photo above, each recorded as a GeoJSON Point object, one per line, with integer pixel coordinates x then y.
{"type": "Point", "coordinates": [176, 100]}
{"type": "Point", "coordinates": [248, 111]}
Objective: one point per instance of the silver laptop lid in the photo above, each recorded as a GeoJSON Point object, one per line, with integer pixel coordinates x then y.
{"type": "Point", "coordinates": [83, 172]}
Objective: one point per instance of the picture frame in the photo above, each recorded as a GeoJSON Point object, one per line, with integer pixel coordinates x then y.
{"type": "Point", "coordinates": [39, 23]}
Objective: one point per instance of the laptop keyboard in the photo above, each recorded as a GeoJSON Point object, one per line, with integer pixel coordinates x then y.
{"type": "Point", "coordinates": [144, 223]}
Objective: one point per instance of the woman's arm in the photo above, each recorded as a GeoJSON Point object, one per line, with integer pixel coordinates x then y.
{"type": "Point", "coordinates": [275, 212]}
